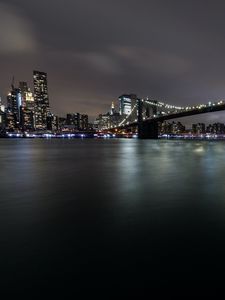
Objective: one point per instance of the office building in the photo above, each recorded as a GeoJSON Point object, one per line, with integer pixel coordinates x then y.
{"type": "Point", "coordinates": [10, 121]}
{"type": "Point", "coordinates": [198, 128]}
{"type": "Point", "coordinates": [41, 100]}
{"type": "Point", "coordinates": [73, 120]}
{"type": "Point", "coordinates": [23, 90]}
{"type": "Point", "coordinates": [126, 103]}
{"type": "Point", "coordinates": [52, 123]}
{"type": "Point", "coordinates": [14, 101]}
{"type": "Point", "coordinates": [27, 119]}
{"type": "Point", "coordinates": [83, 122]}
{"type": "Point", "coordinates": [2, 117]}
{"type": "Point", "coordinates": [216, 128]}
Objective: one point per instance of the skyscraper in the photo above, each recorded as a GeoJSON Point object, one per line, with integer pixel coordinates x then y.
{"type": "Point", "coordinates": [112, 109]}
{"type": "Point", "coordinates": [29, 101]}
{"type": "Point", "coordinates": [14, 101]}
{"type": "Point", "coordinates": [126, 103]}
{"type": "Point", "coordinates": [41, 100]}
{"type": "Point", "coordinates": [2, 116]}
{"type": "Point", "coordinates": [27, 119]}
{"type": "Point", "coordinates": [23, 89]}
{"type": "Point", "coordinates": [27, 107]}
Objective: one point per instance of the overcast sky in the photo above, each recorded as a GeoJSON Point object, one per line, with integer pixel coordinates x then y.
{"type": "Point", "coordinates": [95, 50]}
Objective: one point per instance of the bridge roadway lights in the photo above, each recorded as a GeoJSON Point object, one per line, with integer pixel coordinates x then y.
{"type": "Point", "coordinates": [148, 130]}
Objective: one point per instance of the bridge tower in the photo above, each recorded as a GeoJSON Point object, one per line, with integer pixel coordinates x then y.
{"type": "Point", "coordinates": [146, 129]}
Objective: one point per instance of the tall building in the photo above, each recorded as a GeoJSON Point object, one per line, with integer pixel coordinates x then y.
{"type": "Point", "coordinates": [102, 122]}
{"type": "Point", "coordinates": [29, 101]}
{"type": "Point", "coordinates": [23, 89]}
{"type": "Point", "coordinates": [84, 122]}
{"type": "Point", "coordinates": [2, 116]}
{"type": "Point", "coordinates": [112, 109]}
{"type": "Point", "coordinates": [2, 106]}
{"type": "Point", "coordinates": [20, 110]}
{"type": "Point", "coordinates": [73, 120]}
{"type": "Point", "coordinates": [14, 102]}
{"type": "Point", "coordinates": [52, 122]}
{"type": "Point", "coordinates": [27, 108]}
{"type": "Point", "coordinates": [41, 100]}
{"type": "Point", "coordinates": [27, 119]}
{"type": "Point", "coordinates": [10, 121]}
{"type": "Point", "coordinates": [126, 103]}
{"type": "Point", "coordinates": [2, 121]}
{"type": "Point", "coordinates": [26, 96]}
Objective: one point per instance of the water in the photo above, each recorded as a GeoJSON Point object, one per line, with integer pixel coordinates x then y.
{"type": "Point", "coordinates": [111, 213]}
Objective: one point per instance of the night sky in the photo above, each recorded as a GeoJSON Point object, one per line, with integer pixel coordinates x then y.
{"type": "Point", "coordinates": [95, 50]}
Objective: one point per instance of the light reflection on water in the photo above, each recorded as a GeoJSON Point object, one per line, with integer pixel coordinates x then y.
{"type": "Point", "coordinates": [98, 204]}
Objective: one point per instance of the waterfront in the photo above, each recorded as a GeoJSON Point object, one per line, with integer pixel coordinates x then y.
{"type": "Point", "coordinates": [111, 212]}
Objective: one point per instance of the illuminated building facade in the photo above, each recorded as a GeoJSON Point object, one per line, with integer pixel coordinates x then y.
{"type": "Point", "coordinates": [23, 90]}
{"type": "Point", "coordinates": [73, 120]}
{"type": "Point", "coordinates": [84, 122]}
{"type": "Point", "coordinates": [29, 101]}
{"type": "Point", "coordinates": [27, 119]}
{"type": "Point", "coordinates": [110, 119]}
{"type": "Point", "coordinates": [41, 100]}
{"type": "Point", "coordinates": [112, 109]}
{"type": "Point", "coordinates": [2, 117]}
{"type": "Point", "coordinates": [77, 121]}
{"type": "Point", "coordinates": [14, 100]}
{"type": "Point", "coordinates": [126, 103]}
{"type": "Point", "coordinates": [10, 121]}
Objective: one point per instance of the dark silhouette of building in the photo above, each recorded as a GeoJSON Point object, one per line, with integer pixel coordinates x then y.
{"type": "Point", "coordinates": [84, 122]}
{"type": "Point", "coordinates": [198, 128]}
{"type": "Point", "coordinates": [172, 128]}
{"type": "Point", "coordinates": [14, 103]}
{"type": "Point", "coordinates": [77, 121]}
{"type": "Point", "coordinates": [52, 122]}
{"type": "Point", "coordinates": [73, 120]}
{"type": "Point", "coordinates": [216, 128]}
{"type": "Point", "coordinates": [2, 117]}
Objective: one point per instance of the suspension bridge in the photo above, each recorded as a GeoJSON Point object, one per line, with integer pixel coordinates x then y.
{"type": "Point", "coordinates": [146, 115]}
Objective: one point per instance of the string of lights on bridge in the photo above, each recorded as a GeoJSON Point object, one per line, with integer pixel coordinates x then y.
{"type": "Point", "coordinates": [161, 104]}
{"type": "Point", "coordinates": [176, 109]}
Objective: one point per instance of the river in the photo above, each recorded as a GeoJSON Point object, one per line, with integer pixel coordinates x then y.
{"type": "Point", "coordinates": [109, 213]}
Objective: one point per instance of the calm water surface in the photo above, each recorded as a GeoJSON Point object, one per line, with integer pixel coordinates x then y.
{"type": "Point", "coordinates": [110, 213]}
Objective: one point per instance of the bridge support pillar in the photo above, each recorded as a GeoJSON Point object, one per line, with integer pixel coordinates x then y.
{"type": "Point", "coordinates": [148, 130]}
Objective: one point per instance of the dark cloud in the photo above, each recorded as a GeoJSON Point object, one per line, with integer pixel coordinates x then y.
{"type": "Point", "coordinates": [94, 50]}
{"type": "Point", "coordinates": [16, 34]}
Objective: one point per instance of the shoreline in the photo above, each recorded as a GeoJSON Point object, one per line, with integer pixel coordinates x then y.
{"type": "Point", "coordinates": [105, 136]}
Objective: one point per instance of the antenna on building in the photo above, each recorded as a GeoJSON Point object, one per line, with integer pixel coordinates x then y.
{"type": "Point", "coordinates": [13, 82]}
{"type": "Point", "coordinates": [112, 108]}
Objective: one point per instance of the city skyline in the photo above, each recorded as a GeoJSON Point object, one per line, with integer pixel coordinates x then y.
{"type": "Point", "coordinates": [36, 92]}
{"type": "Point", "coordinates": [151, 49]}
